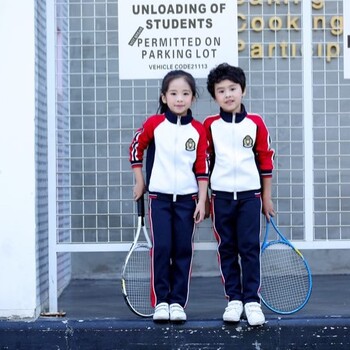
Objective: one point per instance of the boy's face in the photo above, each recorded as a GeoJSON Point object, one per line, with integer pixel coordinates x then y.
{"type": "Point", "coordinates": [229, 96]}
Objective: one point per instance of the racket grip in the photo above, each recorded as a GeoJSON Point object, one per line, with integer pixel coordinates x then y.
{"type": "Point", "coordinates": [141, 206]}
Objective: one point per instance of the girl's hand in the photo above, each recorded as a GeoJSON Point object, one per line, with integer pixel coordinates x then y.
{"type": "Point", "coordinates": [199, 213]}
{"type": "Point", "coordinates": [207, 208]}
{"type": "Point", "coordinates": [140, 187]}
{"type": "Point", "coordinates": [139, 190]}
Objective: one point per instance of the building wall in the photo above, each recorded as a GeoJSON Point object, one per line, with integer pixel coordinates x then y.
{"type": "Point", "coordinates": [41, 151]}
{"type": "Point", "coordinates": [18, 253]}
{"type": "Point", "coordinates": [63, 141]}
{"type": "Point", "coordinates": [312, 158]}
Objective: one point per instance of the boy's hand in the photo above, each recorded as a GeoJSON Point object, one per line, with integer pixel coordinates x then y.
{"type": "Point", "coordinates": [267, 208]}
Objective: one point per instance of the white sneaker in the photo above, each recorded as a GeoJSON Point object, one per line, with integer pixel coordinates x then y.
{"type": "Point", "coordinates": [177, 313]}
{"type": "Point", "coordinates": [161, 312]}
{"type": "Point", "coordinates": [233, 311]}
{"type": "Point", "coordinates": [255, 316]}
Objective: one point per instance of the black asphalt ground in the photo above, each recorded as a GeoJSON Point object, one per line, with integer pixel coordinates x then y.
{"type": "Point", "coordinates": [97, 318]}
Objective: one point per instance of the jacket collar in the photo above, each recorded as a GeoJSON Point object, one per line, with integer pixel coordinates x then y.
{"type": "Point", "coordinates": [183, 120]}
{"type": "Point", "coordinates": [228, 117]}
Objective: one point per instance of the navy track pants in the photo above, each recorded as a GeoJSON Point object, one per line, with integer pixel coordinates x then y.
{"type": "Point", "coordinates": [236, 225]}
{"type": "Point", "coordinates": [172, 227]}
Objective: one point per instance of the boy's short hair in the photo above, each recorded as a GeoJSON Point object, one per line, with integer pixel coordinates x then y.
{"type": "Point", "coordinates": [224, 71]}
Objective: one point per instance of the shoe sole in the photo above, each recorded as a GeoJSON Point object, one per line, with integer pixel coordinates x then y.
{"type": "Point", "coordinates": [256, 325]}
{"type": "Point", "coordinates": [231, 321]}
{"type": "Point", "coordinates": [178, 321]}
{"type": "Point", "coordinates": [161, 320]}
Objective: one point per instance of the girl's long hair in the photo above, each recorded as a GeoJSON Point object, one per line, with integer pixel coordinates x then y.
{"type": "Point", "coordinates": [169, 77]}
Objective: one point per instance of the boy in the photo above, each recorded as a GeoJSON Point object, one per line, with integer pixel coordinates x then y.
{"type": "Point", "coordinates": [241, 164]}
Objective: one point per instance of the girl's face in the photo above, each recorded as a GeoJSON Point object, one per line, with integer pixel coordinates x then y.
{"type": "Point", "coordinates": [229, 96]}
{"type": "Point", "coordinates": [179, 96]}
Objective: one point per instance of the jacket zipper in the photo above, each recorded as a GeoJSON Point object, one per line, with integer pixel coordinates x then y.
{"type": "Point", "coordinates": [235, 153]}
{"type": "Point", "coordinates": [178, 125]}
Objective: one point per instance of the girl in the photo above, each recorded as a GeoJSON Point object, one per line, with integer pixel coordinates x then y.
{"type": "Point", "coordinates": [177, 181]}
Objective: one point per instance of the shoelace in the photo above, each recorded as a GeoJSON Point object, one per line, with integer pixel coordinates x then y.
{"type": "Point", "coordinates": [161, 307]}
{"type": "Point", "coordinates": [176, 308]}
{"type": "Point", "coordinates": [234, 306]}
{"type": "Point", "coordinates": [254, 307]}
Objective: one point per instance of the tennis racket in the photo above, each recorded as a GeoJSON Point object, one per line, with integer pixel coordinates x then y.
{"type": "Point", "coordinates": [286, 280]}
{"type": "Point", "coordinates": [136, 272]}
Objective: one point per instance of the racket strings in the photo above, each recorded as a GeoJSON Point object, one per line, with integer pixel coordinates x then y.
{"type": "Point", "coordinates": [137, 276]}
{"type": "Point", "coordinates": [285, 283]}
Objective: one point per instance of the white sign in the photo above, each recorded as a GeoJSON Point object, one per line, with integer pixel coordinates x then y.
{"type": "Point", "coordinates": [346, 35]}
{"type": "Point", "coordinates": [156, 36]}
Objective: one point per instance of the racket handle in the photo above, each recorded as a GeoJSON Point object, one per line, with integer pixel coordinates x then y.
{"type": "Point", "coordinates": [141, 206]}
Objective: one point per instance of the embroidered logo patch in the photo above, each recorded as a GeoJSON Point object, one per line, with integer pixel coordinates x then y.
{"type": "Point", "coordinates": [248, 142]}
{"type": "Point", "coordinates": [190, 145]}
